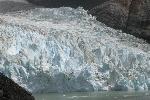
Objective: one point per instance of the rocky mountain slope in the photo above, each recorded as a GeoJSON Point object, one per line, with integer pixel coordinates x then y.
{"type": "Point", "coordinates": [138, 22]}
{"type": "Point", "coordinates": [9, 90]}
{"type": "Point", "coordinates": [113, 13]}
{"type": "Point", "coordinates": [86, 4]}
{"type": "Point", "coordinates": [65, 49]}
{"type": "Point", "coordinates": [132, 16]}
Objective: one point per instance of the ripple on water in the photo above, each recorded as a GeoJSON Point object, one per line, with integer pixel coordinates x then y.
{"type": "Point", "coordinates": [95, 96]}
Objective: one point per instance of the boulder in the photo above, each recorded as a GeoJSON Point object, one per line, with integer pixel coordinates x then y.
{"type": "Point", "coordinates": [9, 90]}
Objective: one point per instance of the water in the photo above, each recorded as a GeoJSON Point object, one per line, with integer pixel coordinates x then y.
{"type": "Point", "coordinates": [95, 96]}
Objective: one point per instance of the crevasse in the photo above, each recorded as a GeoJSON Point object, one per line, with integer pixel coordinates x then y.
{"type": "Point", "coordinates": [65, 49]}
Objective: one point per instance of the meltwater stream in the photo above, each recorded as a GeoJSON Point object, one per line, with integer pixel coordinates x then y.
{"type": "Point", "coordinates": [95, 96]}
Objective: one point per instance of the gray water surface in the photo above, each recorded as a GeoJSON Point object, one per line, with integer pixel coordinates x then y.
{"type": "Point", "coordinates": [95, 96]}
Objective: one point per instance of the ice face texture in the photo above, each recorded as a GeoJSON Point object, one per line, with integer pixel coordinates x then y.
{"type": "Point", "coordinates": [65, 49]}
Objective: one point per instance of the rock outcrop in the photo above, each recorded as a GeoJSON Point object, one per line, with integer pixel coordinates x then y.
{"type": "Point", "coordinates": [113, 13]}
{"type": "Point", "coordinates": [138, 22]}
{"type": "Point", "coordinates": [132, 16]}
{"type": "Point", "coordinates": [86, 4]}
{"type": "Point", "coordinates": [9, 90]}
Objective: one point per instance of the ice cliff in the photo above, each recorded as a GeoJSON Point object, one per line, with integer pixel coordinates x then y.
{"type": "Point", "coordinates": [65, 49]}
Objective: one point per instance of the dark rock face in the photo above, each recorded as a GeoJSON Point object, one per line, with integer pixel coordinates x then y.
{"type": "Point", "coordinates": [86, 4]}
{"type": "Point", "coordinates": [9, 90]}
{"type": "Point", "coordinates": [113, 13]}
{"type": "Point", "coordinates": [138, 22]}
{"type": "Point", "coordinates": [132, 16]}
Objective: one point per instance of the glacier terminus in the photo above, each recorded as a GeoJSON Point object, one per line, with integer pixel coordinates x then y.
{"type": "Point", "coordinates": [66, 50]}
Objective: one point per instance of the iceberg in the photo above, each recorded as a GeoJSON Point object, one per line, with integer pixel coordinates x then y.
{"type": "Point", "coordinates": [67, 50]}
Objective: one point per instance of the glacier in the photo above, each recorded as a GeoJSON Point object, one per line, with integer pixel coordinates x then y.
{"type": "Point", "coordinates": [67, 50]}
